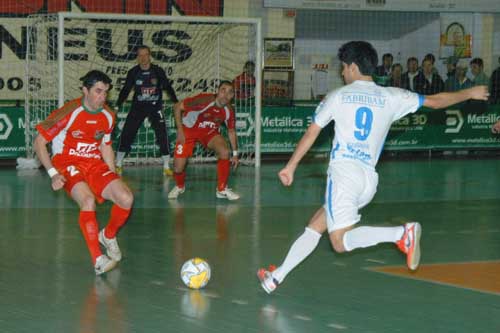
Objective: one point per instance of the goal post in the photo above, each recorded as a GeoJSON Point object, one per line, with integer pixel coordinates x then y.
{"type": "Point", "coordinates": [195, 52]}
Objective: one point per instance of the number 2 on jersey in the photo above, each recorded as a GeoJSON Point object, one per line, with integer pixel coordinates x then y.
{"type": "Point", "coordinates": [364, 119]}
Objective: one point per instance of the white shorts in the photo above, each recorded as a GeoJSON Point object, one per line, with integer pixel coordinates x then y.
{"type": "Point", "coordinates": [349, 187]}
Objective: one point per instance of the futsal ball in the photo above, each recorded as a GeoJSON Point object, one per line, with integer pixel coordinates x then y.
{"type": "Point", "coordinates": [195, 273]}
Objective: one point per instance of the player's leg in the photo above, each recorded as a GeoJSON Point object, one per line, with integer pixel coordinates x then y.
{"type": "Point", "coordinates": [85, 199]}
{"type": "Point", "coordinates": [351, 187]}
{"type": "Point", "coordinates": [218, 144]}
{"type": "Point", "coordinates": [300, 250]}
{"type": "Point", "coordinates": [134, 120]}
{"type": "Point", "coordinates": [181, 153]}
{"type": "Point", "coordinates": [157, 119]}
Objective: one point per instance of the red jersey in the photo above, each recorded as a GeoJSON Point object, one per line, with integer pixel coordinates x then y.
{"type": "Point", "coordinates": [76, 132]}
{"type": "Point", "coordinates": [244, 86]}
{"type": "Point", "coordinates": [201, 113]}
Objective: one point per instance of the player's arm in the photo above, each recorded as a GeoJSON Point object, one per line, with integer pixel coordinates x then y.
{"type": "Point", "coordinates": [108, 155]}
{"type": "Point", "coordinates": [42, 153]}
{"type": "Point", "coordinates": [165, 85]}
{"type": "Point", "coordinates": [233, 140]}
{"type": "Point", "coordinates": [496, 127]}
{"type": "Point", "coordinates": [442, 100]}
{"type": "Point", "coordinates": [305, 143]}
{"type": "Point", "coordinates": [127, 87]}
{"type": "Point", "coordinates": [178, 109]}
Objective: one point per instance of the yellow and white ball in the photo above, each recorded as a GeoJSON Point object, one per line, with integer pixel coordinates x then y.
{"type": "Point", "coordinates": [195, 273]}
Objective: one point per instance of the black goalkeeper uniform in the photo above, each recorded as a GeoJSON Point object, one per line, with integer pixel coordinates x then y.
{"type": "Point", "coordinates": [148, 102]}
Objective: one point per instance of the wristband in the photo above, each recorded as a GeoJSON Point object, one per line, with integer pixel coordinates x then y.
{"type": "Point", "coordinates": [52, 172]}
{"type": "Point", "coordinates": [235, 153]}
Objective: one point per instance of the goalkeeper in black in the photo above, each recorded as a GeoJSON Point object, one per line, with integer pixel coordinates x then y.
{"type": "Point", "coordinates": [148, 81]}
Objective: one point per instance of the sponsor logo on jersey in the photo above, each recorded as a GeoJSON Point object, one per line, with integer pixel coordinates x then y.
{"type": "Point", "coordinates": [138, 82]}
{"type": "Point", "coordinates": [78, 134]}
{"type": "Point", "coordinates": [87, 150]}
{"type": "Point", "coordinates": [207, 124]}
{"type": "Point", "coordinates": [91, 121]}
{"type": "Point", "coordinates": [99, 135]}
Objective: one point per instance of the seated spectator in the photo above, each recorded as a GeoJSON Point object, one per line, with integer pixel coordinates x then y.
{"type": "Point", "coordinates": [451, 65]}
{"type": "Point", "coordinates": [408, 76]}
{"type": "Point", "coordinates": [396, 79]}
{"type": "Point", "coordinates": [383, 72]}
{"type": "Point", "coordinates": [477, 70]}
{"type": "Point", "coordinates": [427, 82]}
{"type": "Point", "coordinates": [460, 81]}
{"type": "Point", "coordinates": [244, 84]}
{"type": "Point", "coordinates": [495, 85]}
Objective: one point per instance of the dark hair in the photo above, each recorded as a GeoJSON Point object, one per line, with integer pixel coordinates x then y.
{"type": "Point", "coordinates": [387, 55]}
{"type": "Point", "coordinates": [143, 47]}
{"type": "Point", "coordinates": [477, 61]}
{"type": "Point", "coordinates": [249, 63]}
{"type": "Point", "coordinates": [361, 53]}
{"type": "Point", "coordinates": [396, 65]}
{"type": "Point", "coordinates": [411, 59]}
{"type": "Point", "coordinates": [226, 82]}
{"type": "Point", "coordinates": [431, 57]}
{"type": "Point", "coordinates": [94, 76]}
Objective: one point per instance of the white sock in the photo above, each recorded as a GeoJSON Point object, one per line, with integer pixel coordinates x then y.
{"type": "Point", "coordinates": [300, 249]}
{"type": "Point", "coordinates": [368, 236]}
{"type": "Point", "coordinates": [166, 161]}
{"type": "Point", "coordinates": [120, 155]}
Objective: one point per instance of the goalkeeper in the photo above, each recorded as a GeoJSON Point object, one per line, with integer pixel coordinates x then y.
{"type": "Point", "coordinates": [148, 81]}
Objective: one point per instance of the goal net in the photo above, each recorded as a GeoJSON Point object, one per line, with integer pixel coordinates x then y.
{"type": "Point", "coordinates": [195, 52]}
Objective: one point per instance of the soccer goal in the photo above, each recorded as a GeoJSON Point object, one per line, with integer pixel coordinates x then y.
{"type": "Point", "coordinates": [196, 53]}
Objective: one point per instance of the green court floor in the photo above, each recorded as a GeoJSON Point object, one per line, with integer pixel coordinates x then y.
{"type": "Point", "coordinates": [47, 283]}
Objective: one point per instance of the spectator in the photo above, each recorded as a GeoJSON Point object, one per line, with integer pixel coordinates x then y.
{"type": "Point", "coordinates": [409, 76]}
{"type": "Point", "coordinates": [244, 84]}
{"type": "Point", "coordinates": [428, 82]}
{"type": "Point", "coordinates": [451, 66]}
{"type": "Point", "coordinates": [495, 85]}
{"type": "Point", "coordinates": [396, 79]}
{"type": "Point", "coordinates": [460, 81]}
{"type": "Point", "coordinates": [477, 70]}
{"type": "Point", "coordinates": [383, 72]}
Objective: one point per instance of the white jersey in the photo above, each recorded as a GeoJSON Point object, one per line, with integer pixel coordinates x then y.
{"type": "Point", "coordinates": [363, 114]}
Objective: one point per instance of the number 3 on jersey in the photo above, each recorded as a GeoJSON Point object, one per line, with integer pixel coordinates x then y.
{"type": "Point", "coordinates": [364, 120]}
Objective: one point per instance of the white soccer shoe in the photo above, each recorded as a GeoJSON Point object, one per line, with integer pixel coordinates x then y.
{"type": "Point", "coordinates": [267, 281]}
{"type": "Point", "coordinates": [175, 192]}
{"type": "Point", "coordinates": [103, 264]}
{"type": "Point", "coordinates": [228, 194]}
{"type": "Point", "coordinates": [111, 245]}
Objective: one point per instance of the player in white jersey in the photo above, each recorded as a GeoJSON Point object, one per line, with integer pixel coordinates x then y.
{"type": "Point", "coordinates": [363, 113]}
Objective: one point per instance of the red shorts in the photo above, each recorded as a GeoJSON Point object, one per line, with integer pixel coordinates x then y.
{"type": "Point", "coordinates": [185, 149]}
{"type": "Point", "coordinates": [94, 172]}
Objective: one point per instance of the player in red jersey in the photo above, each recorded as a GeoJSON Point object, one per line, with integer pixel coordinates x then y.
{"type": "Point", "coordinates": [83, 164]}
{"type": "Point", "coordinates": [198, 119]}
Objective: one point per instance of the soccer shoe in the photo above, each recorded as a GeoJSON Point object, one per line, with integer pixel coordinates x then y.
{"type": "Point", "coordinates": [111, 245]}
{"type": "Point", "coordinates": [103, 264]}
{"type": "Point", "coordinates": [228, 194]}
{"type": "Point", "coordinates": [119, 170]}
{"type": "Point", "coordinates": [410, 244]}
{"type": "Point", "coordinates": [268, 283]}
{"type": "Point", "coordinates": [168, 172]}
{"type": "Point", "coordinates": [175, 192]}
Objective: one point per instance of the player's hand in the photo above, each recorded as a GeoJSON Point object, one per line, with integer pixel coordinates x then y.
{"type": "Point", "coordinates": [286, 176]}
{"type": "Point", "coordinates": [58, 182]}
{"type": "Point", "coordinates": [496, 128]}
{"type": "Point", "coordinates": [480, 93]}
{"type": "Point", "coordinates": [235, 161]}
{"type": "Point", "coordinates": [181, 138]}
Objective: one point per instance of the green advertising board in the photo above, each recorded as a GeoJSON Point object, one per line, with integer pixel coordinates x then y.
{"type": "Point", "coordinates": [466, 126]}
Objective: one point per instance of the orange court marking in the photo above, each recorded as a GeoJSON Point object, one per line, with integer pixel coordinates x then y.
{"type": "Point", "coordinates": [480, 276]}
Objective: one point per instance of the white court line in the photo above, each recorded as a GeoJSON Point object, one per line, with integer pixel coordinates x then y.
{"type": "Point", "coordinates": [337, 326]}
{"type": "Point", "coordinates": [239, 301]}
{"type": "Point", "coordinates": [375, 261]}
{"type": "Point", "coordinates": [302, 317]}
{"type": "Point", "coordinates": [337, 263]}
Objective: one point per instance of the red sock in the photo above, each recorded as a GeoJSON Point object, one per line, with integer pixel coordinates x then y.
{"type": "Point", "coordinates": [223, 167]}
{"type": "Point", "coordinates": [180, 179]}
{"type": "Point", "coordinates": [90, 230]}
{"type": "Point", "coordinates": [117, 219]}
